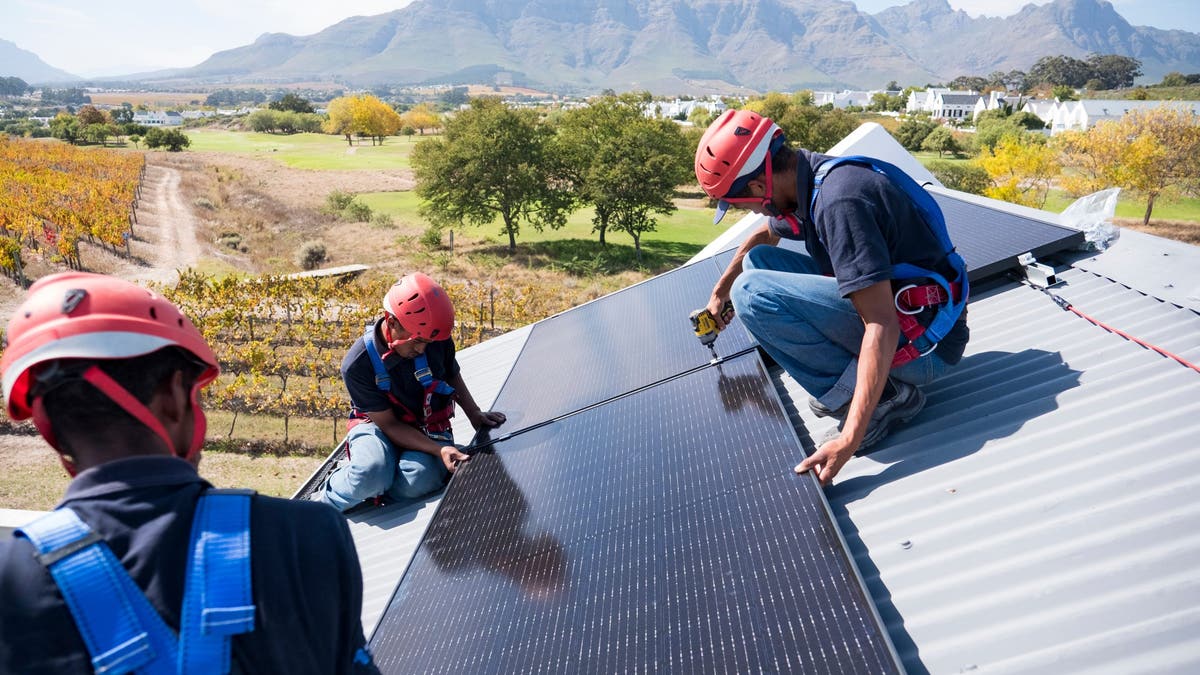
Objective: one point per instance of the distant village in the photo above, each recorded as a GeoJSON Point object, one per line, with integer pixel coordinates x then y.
{"type": "Point", "coordinates": [951, 107]}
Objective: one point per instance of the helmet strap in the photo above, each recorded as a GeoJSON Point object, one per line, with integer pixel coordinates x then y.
{"type": "Point", "coordinates": [129, 403]}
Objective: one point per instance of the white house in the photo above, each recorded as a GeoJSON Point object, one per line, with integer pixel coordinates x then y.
{"type": "Point", "coordinates": [844, 99]}
{"type": "Point", "coordinates": [1083, 115]}
{"type": "Point", "coordinates": [1043, 108]}
{"type": "Point", "coordinates": [998, 99]}
{"type": "Point", "coordinates": [681, 109]}
{"type": "Point", "coordinates": [953, 106]}
{"type": "Point", "coordinates": [158, 118]}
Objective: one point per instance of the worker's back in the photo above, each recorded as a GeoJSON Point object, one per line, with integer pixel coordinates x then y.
{"type": "Point", "coordinates": [307, 586]}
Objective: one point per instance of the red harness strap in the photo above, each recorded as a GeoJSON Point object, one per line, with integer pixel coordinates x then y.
{"type": "Point", "coordinates": [910, 300]}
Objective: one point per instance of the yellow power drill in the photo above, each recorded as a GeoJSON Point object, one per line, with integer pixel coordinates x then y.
{"type": "Point", "coordinates": [705, 325]}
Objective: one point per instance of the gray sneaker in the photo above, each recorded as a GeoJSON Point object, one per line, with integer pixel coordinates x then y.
{"type": "Point", "coordinates": [908, 401]}
{"type": "Point", "coordinates": [820, 410]}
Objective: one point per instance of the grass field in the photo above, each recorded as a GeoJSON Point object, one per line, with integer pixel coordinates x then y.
{"type": "Point", "coordinates": [307, 151]}
{"type": "Point", "coordinates": [1128, 207]}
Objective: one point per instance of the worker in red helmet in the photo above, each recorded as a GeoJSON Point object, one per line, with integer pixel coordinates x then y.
{"type": "Point", "coordinates": [144, 567]}
{"type": "Point", "coordinates": [871, 310]}
{"type": "Point", "coordinates": [403, 381]}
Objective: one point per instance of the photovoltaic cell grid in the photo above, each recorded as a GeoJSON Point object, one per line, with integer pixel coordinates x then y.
{"type": "Point", "coordinates": [618, 343]}
{"type": "Point", "coordinates": [660, 532]}
{"type": "Point", "coordinates": [990, 240]}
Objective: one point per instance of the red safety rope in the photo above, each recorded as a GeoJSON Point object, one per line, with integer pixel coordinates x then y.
{"type": "Point", "coordinates": [1062, 302]}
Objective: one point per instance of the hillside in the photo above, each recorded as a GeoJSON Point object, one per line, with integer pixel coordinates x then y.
{"type": "Point", "coordinates": [17, 62]}
{"type": "Point", "coordinates": [691, 46]}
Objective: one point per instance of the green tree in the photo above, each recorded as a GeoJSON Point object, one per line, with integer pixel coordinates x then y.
{"type": "Point", "coordinates": [941, 140]}
{"type": "Point", "coordinates": [65, 127]}
{"type": "Point", "coordinates": [912, 133]}
{"type": "Point", "coordinates": [264, 121]}
{"type": "Point", "coordinates": [492, 161]}
{"type": "Point", "coordinates": [989, 132]}
{"type": "Point", "coordinates": [1064, 92]}
{"type": "Point", "coordinates": [291, 102]}
{"type": "Point", "coordinates": [1060, 70]}
{"type": "Point", "coordinates": [1174, 79]}
{"type": "Point", "coordinates": [1114, 71]}
{"type": "Point", "coordinates": [90, 114]}
{"type": "Point", "coordinates": [626, 165]}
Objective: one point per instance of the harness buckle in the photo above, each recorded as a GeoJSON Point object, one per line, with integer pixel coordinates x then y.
{"type": "Point", "coordinates": [423, 374]}
{"type": "Point", "coordinates": [896, 301]}
{"type": "Point", "coordinates": [932, 347]}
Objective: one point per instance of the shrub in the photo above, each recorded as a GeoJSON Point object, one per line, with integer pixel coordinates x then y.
{"type": "Point", "coordinates": [358, 212]}
{"type": "Point", "coordinates": [231, 240]}
{"type": "Point", "coordinates": [311, 255]}
{"type": "Point", "coordinates": [337, 201]}
{"type": "Point", "coordinates": [381, 220]}
{"type": "Point", "coordinates": [431, 238]}
{"type": "Point", "coordinates": [204, 203]}
{"type": "Point", "coordinates": [962, 176]}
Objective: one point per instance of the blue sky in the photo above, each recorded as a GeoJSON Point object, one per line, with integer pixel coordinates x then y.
{"type": "Point", "coordinates": [90, 37]}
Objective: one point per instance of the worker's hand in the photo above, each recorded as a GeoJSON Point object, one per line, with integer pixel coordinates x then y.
{"type": "Point", "coordinates": [829, 458]}
{"type": "Point", "coordinates": [452, 457]}
{"type": "Point", "coordinates": [717, 303]}
{"type": "Point", "coordinates": [486, 419]}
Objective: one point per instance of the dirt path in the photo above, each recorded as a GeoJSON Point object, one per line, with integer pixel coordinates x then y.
{"type": "Point", "coordinates": [166, 225]}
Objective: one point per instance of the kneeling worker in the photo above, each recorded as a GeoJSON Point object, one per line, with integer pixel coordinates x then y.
{"type": "Point", "coordinates": [403, 382]}
{"type": "Point", "coordinates": [144, 567]}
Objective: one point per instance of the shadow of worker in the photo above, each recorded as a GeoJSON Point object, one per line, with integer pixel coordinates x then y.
{"type": "Point", "coordinates": [483, 528]}
{"type": "Point", "coordinates": [988, 397]}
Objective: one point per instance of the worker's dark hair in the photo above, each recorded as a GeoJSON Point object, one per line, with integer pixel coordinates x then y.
{"type": "Point", "coordinates": [782, 160]}
{"type": "Point", "coordinates": [76, 407]}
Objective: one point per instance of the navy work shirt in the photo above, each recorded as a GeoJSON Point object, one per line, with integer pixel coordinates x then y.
{"type": "Point", "coordinates": [862, 225]}
{"type": "Point", "coordinates": [359, 375]}
{"type": "Point", "coordinates": [305, 574]}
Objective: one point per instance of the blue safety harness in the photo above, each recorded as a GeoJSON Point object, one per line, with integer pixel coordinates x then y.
{"type": "Point", "coordinates": [122, 630]}
{"type": "Point", "coordinates": [432, 422]}
{"type": "Point", "coordinates": [947, 297]}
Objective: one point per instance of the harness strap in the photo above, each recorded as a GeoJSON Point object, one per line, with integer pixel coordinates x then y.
{"type": "Point", "coordinates": [431, 420]}
{"type": "Point", "coordinates": [218, 602]}
{"type": "Point", "coordinates": [121, 629]}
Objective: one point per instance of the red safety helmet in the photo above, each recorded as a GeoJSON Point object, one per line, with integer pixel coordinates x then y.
{"type": "Point", "coordinates": [422, 307]}
{"type": "Point", "coordinates": [77, 315]}
{"type": "Point", "coordinates": [731, 152]}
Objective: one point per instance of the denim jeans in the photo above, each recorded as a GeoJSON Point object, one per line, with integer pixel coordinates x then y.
{"type": "Point", "coordinates": [804, 323]}
{"type": "Point", "coordinates": [376, 467]}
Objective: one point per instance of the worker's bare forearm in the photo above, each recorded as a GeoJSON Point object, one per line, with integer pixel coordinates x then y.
{"type": "Point", "coordinates": [763, 235]}
{"type": "Point", "coordinates": [881, 332]}
{"type": "Point", "coordinates": [462, 395]}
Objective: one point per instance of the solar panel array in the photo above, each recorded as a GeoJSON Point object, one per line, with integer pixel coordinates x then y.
{"type": "Point", "coordinates": [639, 514]}
{"type": "Point", "coordinates": [661, 531]}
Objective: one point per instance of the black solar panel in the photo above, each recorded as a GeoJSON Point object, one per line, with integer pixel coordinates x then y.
{"type": "Point", "coordinates": [661, 531]}
{"type": "Point", "coordinates": [990, 240]}
{"type": "Point", "coordinates": [618, 343]}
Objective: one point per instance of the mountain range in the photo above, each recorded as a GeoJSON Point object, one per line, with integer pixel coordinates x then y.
{"type": "Point", "coordinates": [688, 46]}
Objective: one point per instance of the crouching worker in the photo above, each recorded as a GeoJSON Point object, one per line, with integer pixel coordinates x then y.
{"type": "Point", "coordinates": [403, 382]}
{"type": "Point", "coordinates": [144, 567]}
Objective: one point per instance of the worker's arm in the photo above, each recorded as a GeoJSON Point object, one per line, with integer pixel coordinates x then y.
{"type": "Point", "coordinates": [480, 419]}
{"type": "Point", "coordinates": [874, 305]}
{"type": "Point", "coordinates": [720, 294]}
{"type": "Point", "coordinates": [408, 437]}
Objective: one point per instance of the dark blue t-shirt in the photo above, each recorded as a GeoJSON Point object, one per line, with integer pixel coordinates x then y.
{"type": "Point", "coordinates": [359, 375]}
{"type": "Point", "coordinates": [305, 574]}
{"type": "Point", "coordinates": [862, 225]}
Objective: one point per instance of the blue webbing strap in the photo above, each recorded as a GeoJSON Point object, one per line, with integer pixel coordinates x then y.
{"type": "Point", "coordinates": [218, 602]}
{"type": "Point", "coordinates": [945, 317]}
{"type": "Point", "coordinates": [425, 376]}
{"type": "Point", "coordinates": [121, 629]}
{"type": "Point", "coordinates": [382, 379]}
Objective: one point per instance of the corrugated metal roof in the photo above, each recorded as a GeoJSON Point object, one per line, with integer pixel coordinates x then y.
{"type": "Point", "coordinates": [1040, 514]}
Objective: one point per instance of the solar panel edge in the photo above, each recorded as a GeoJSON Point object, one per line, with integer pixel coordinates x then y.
{"type": "Point", "coordinates": [869, 600]}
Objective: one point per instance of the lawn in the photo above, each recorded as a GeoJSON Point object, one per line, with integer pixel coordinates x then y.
{"type": "Point", "coordinates": [1128, 207]}
{"type": "Point", "coordinates": [306, 151]}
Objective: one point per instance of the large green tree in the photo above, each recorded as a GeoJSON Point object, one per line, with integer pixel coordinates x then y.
{"type": "Point", "coordinates": [624, 164]}
{"type": "Point", "coordinates": [492, 162]}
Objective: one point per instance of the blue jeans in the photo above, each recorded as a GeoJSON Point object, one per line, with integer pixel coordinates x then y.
{"type": "Point", "coordinates": [376, 467]}
{"type": "Point", "coordinates": [804, 323]}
